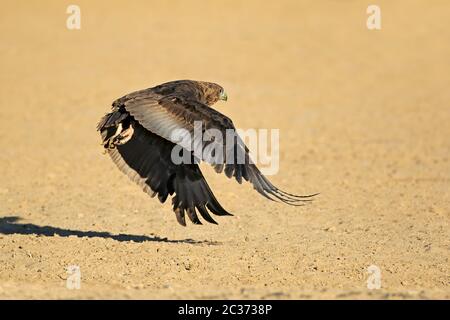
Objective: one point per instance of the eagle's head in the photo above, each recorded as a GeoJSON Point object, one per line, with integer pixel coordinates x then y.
{"type": "Point", "coordinates": [205, 92]}
{"type": "Point", "coordinates": [212, 92]}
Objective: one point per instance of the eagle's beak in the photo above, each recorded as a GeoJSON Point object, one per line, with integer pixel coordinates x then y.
{"type": "Point", "coordinates": [223, 96]}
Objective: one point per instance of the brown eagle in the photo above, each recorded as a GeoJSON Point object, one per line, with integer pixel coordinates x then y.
{"type": "Point", "coordinates": [137, 134]}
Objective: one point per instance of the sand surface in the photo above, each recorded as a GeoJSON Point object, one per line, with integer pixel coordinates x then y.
{"type": "Point", "coordinates": [363, 118]}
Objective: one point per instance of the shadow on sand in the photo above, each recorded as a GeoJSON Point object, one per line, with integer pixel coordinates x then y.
{"type": "Point", "coordinates": [9, 225]}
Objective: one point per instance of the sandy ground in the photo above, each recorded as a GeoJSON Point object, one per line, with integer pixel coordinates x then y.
{"type": "Point", "coordinates": [363, 118]}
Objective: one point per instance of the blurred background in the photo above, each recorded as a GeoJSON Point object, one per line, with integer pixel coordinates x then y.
{"type": "Point", "coordinates": [363, 118]}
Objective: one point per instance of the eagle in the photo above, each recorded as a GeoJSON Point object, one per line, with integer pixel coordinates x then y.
{"type": "Point", "coordinates": [138, 136]}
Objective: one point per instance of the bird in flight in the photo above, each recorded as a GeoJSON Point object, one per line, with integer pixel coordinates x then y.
{"type": "Point", "coordinates": [138, 136]}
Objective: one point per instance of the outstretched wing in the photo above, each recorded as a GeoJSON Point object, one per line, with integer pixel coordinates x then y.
{"type": "Point", "coordinates": [164, 114]}
{"type": "Point", "coordinates": [146, 159]}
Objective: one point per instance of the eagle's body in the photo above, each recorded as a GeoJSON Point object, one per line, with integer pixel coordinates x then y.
{"type": "Point", "coordinates": [137, 134]}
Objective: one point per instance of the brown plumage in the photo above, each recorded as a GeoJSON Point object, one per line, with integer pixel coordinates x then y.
{"type": "Point", "coordinates": [137, 134]}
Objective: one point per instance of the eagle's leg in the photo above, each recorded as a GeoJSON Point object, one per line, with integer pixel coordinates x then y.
{"type": "Point", "coordinates": [109, 141]}
{"type": "Point", "coordinates": [124, 136]}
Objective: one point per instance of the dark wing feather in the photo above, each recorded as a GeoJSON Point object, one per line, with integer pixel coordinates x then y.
{"type": "Point", "coordinates": [146, 159]}
{"type": "Point", "coordinates": [242, 167]}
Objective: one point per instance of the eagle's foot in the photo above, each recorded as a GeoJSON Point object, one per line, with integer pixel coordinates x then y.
{"type": "Point", "coordinates": [120, 137]}
{"type": "Point", "coordinates": [124, 136]}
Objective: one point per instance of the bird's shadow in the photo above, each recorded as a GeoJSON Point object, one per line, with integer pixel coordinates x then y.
{"type": "Point", "coordinates": [9, 225]}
